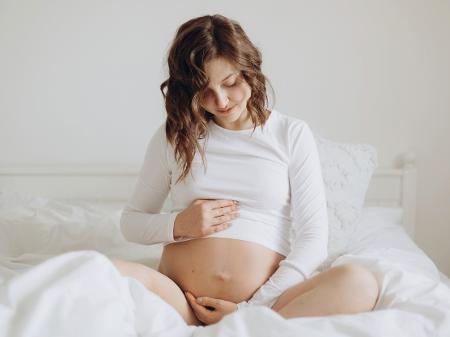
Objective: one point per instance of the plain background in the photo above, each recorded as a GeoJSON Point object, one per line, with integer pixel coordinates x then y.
{"type": "Point", "coordinates": [79, 81]}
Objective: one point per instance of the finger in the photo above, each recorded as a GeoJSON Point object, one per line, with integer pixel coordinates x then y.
{"type": "Point", "coordinates": [225, 218]}
{"type": "Point", "coordinates": [190, 298]}
{"type": "Point", "coordinates": [209, 301]}
{"type": "Point", "coordinates": [192, 301]}
{"type": "Point", "coordinates": [218, 212]}
{"type": "Point", "coordinates": [221, 203]}
{"type": "Point", "coordinates": [198, 308]}
{"type": "Point", "coordinates": [222, 219]}
{"type": "Point", "coordinates": [217, 228]}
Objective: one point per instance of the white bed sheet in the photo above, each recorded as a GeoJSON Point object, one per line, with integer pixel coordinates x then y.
{"type": "Point", "coordinates": [56, 280]}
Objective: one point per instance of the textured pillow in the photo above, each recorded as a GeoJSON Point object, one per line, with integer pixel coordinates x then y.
{"type": "Point", "coordinates": [347, 170]}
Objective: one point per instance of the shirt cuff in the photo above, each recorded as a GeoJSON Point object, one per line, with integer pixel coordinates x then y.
{"type": "Point", "coordinates": [242, 305]}
{"type": "Point", "coordinates": [171, 225]}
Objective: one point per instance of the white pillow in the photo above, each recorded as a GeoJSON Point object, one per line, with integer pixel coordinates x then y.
{"type": "Point", "coordinates": [346, 170]}
{"type": "Point", "coordinates": [41, 226]}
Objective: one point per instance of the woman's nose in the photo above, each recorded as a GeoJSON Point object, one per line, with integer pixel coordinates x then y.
{"type": "Point", "coordinates": [222, 100]}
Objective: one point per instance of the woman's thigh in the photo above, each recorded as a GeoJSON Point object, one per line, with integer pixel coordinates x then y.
{"type": "Point", "coordinates": [334, 278]}
{"type": "Point", "coordinates": [160, 284]}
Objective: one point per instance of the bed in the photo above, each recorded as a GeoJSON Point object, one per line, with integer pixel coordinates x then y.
{"type": "Point", "coordinates": [59, 225]}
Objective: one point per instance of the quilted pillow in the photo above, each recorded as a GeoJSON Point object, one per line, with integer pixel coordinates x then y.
{"type": "Point", "coordinates": [346, 170]}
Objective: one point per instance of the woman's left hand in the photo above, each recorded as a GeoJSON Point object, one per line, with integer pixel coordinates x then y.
{"type": "Point", "coordinates": [207, 316]}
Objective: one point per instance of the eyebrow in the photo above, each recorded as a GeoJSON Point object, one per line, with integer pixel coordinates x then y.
{"type": "Point", "coordinates": [227, 77]}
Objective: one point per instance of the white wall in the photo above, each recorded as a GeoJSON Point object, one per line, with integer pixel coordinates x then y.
{"type": "Point", "coordinates": [79, 81]}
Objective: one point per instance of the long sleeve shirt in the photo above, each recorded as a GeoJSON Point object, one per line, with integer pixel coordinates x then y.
{"type": "Point", "coordinates": [274, 173]}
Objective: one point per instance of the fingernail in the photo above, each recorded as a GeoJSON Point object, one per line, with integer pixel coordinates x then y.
{"type": "Point", "coordinates": [199, 300]}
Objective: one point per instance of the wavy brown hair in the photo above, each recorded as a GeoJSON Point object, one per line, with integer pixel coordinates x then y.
{"type": "Point", "coordinates": [196, 42]}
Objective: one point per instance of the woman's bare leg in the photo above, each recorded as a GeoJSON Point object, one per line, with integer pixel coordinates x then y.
{"type": "Point", "coordinates": [344, 289]}
{"type": "Point", "coordinates": [160, 284]}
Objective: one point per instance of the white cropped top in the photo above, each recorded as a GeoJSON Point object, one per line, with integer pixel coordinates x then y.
{"type": "Point", "coordinates": [274, 173]}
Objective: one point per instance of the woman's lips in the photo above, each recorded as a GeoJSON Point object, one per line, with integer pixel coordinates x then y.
{"type": "Point", "coordinates": [226, 111]}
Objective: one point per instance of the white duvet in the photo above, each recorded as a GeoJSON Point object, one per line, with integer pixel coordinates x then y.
{"type": "Point", "coordinates": [56, 280]}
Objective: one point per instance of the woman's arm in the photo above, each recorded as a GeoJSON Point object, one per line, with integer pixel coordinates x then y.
{"type": "Point", "coordinates": [141, 220]}
{"type": "Point", "coordinates": [309, 238]}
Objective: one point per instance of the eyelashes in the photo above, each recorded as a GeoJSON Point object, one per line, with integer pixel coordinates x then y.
{"type": "Point", "coordinates": [231, 85]}
{"type": "Point", "coordinates": [206, 93]}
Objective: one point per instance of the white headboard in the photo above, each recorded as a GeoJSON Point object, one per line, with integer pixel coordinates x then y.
{"type": "Point", "coordinates": [389, 187]}
{"type": "Point", "coordinates": [396, 187]}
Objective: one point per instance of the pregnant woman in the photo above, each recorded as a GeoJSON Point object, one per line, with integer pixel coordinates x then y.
{"type": "Point", "coordinates": [248, 224]}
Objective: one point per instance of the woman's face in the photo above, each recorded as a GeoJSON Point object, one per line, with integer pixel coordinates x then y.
{"type": "Point", "coordinates": [227, 90]}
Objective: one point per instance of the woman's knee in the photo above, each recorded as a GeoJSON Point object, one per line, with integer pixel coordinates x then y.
{"type": "Point", "coordinates": [159, 284]}
{"type": "Point", "coordinates": [363, 283]}
{"type": "Point", "coordinates": [137, 271]}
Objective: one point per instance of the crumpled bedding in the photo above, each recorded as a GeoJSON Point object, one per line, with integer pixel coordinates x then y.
{"type": "Point", "coordinates": [56, 280]}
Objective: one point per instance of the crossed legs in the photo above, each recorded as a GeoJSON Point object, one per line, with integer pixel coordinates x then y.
{"type": "Point", "coordinates": [344, 289]}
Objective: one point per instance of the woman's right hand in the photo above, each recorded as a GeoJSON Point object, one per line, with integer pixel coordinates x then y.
{"type": "Point", "coordinates": [204, 217]}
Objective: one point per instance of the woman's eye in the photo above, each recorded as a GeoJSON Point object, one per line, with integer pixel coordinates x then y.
{"type": "Point", "coordinates": [207, 92]}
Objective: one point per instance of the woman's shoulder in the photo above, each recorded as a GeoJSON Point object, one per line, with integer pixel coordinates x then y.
{"type": "Point", "coordinates": [158, 136]}
{"type": "Point", "coordinates": [290, 125]}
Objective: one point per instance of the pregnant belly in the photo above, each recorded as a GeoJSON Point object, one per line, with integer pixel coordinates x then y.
{"type": "Point", "coordinates": [228, 269]}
